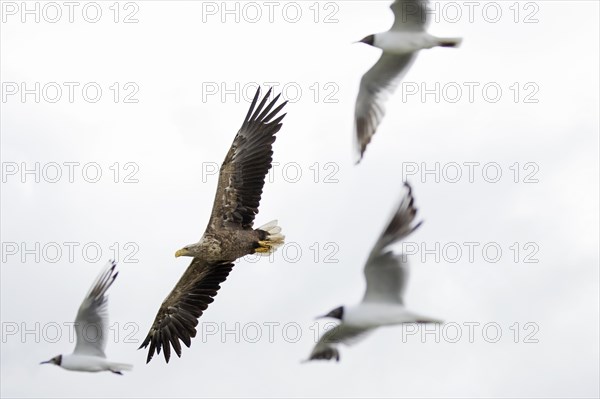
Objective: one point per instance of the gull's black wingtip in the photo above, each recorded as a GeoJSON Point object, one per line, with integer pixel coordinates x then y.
{"type": "Point", "coordinates": [417, 225]}
{"type": "Point", "coordinates": [327, 354]}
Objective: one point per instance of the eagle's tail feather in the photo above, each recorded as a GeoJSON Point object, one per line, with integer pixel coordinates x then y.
{"type": "Point", "coordinates": [272, 240]}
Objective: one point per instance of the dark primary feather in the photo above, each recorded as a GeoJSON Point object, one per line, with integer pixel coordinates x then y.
{"type": "Point", "coordinates": [103, 283]}
{"type": "Point", "coordinates": [401, 224]}
{"type": "Point", "coordinates": [178, 315]}
{"type": "Point", "coordinates": [242, 174]}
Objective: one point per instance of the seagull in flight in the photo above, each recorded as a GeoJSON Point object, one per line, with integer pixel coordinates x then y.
{"type": "Point", "coordinates": [229, 235]}
{"type": "Point", "coordinates": [400, 45]}
{"type": "Point", "coordinates": [383, 304]}
{"type": "Point", "coordinates": [91, 328]}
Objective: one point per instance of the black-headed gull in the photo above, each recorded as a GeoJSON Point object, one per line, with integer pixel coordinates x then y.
{"type": "Point", "coordinates": [386, 274]}
{"type": "Point", "coordinates": [91, 328]}
{"type": "Point", "coordinates": [400, 46]}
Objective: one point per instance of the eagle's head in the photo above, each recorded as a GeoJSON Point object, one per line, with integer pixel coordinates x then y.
{"type": "Point", "coordinates": [192, 250]}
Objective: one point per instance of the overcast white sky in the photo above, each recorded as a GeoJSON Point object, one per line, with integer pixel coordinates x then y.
{"type": "Point", "coordinates": [175, 61]}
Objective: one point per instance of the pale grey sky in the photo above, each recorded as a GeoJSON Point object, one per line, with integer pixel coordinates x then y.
{"type": "Point", "coordinates": [543, 123]}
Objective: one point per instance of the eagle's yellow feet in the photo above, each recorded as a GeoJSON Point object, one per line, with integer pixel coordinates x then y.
{"type": "Point", "coordinates": [273, 240]}
{"type": "Point", "coordinates": [266, 247]}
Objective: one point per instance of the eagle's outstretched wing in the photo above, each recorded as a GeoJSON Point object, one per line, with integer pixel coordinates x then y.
{"type": "Point", "coordinates": [241, 181]}
{"type": "Point", "coordinates": [178, 315]}
{"type": "Point", "coordinates": [242, 174]}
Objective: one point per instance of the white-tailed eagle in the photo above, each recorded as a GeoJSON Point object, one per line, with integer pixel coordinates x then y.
{"type": "Point", "coordinates": [229, 234]}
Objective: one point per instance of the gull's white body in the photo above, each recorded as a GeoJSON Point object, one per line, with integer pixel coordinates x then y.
{"type": "Point", "coordinates": [91, 328]}
{"type": "Point", "coordinates": [76, 362]}
{"type": "Point", "coordinates": [373, 315]}
{"type": "Point", "coordinates": [394, 42]}
{"type": "Point", "coordinates": [386, 275]}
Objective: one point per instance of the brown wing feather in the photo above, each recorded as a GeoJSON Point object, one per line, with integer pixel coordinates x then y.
{"type": "Point", "coordinates": [242, 174]}
{"type": "Point", "coordinates": [178, 315]}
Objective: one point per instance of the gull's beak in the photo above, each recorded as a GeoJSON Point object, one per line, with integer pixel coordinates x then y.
{"type": "Point", "coordinates": [181, 252]}
{"type": "Point", "coordinates": [46, 362]}
{"type": "Point", "coordinates": [321, 317]}
{"type": "Point", "coordinates": [367, 40]}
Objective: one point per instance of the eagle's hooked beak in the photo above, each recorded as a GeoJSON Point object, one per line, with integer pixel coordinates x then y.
{"type": "Point", "coordinates": [181, 252]}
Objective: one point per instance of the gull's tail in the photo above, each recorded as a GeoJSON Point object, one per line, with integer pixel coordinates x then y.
{"type": "Point", "coordinates": [271, 238]}
{"type": "Point", "coordinates": [118, 367]}
{"type": "Point", "coordinates": [427, 320]}
{"type": "Point", "coordinates": [450, 41]}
